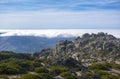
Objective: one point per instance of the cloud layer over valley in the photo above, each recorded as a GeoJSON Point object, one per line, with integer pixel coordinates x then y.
{"type": "Point", "coordinates": [50, 33]}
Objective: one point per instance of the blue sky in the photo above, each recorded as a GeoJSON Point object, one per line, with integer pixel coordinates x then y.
{"type": "Point", "coordinates": [59, 14]}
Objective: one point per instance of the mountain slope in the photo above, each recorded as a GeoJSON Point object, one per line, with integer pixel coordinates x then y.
{"type": "Point", "coordinates": [28, 44]}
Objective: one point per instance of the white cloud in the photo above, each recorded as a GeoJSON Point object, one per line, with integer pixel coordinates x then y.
{"type": "Point", "coordinates": [55, 32]}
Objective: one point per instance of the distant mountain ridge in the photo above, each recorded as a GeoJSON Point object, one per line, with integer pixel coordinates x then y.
{"type": "Point", "coordinates": [28, 44]}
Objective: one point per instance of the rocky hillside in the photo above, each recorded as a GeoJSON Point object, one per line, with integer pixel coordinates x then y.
{"type": "Point", "coordinates": [91, 56]}
{"type": "Point", "coordinates": [87, 49]}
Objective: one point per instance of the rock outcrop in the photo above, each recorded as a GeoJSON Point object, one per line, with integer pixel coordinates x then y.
{"type": "Point", "coordinates": [88, 49]}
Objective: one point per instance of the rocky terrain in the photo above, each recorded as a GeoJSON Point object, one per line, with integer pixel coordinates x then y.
{"type": "Point", "coordinates": [91, 56]}
{"type": "Point", "coordinates": [87, 49]}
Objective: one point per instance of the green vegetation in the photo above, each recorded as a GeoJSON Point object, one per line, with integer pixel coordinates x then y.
{"type": "Point", "coordinates": [31, 76]}
{"type": "Point", "coordinates": [103, 66]}
{"type": "Point", "coordinates": [41, 70]}
{"type": "Point", "coordinates": [115, 66]}
{"type": "Point", "coordinates": [3, 77]}
{"type": "Point", "coordinates": [46, 76]}
{"type": "Point", "coordinates": [110, 77]}
{"type": "Point", "coordinates": [15, 63]}
{"type": "Point", "coordinates": [57, 70]}
{"type": "Point", "coordinates": [101, 71]}
{"type": "Point", "coordinates": [9, 68]}
{"type": "Point", "coordinates": [67, 75]}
